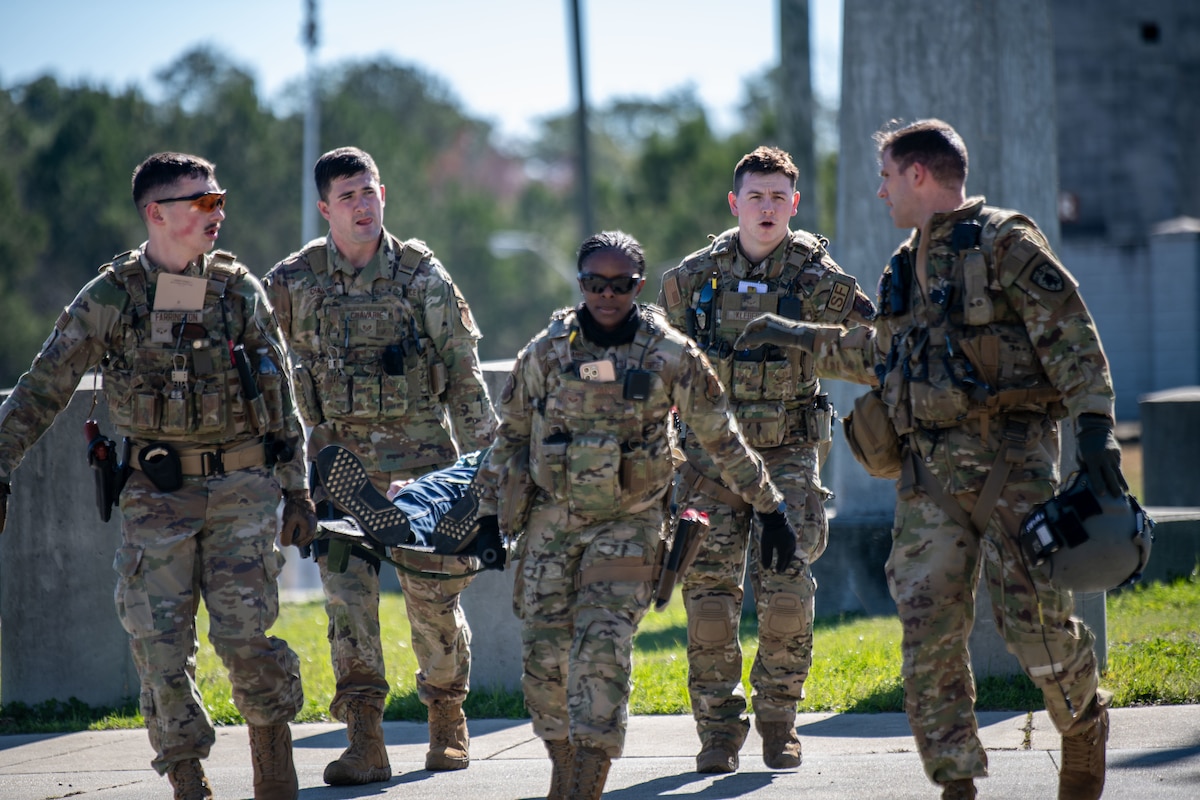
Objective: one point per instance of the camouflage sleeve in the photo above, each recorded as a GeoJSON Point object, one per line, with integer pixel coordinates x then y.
{"type": "Point", "coordinates": [524, 386]}
{"type": "Point", "coordinates": [702, 403]}
{"type": "Point", "coordinates": [263, 332]}
{"type": "Point", "coordinates": [847, 354]}
{"type": "Point", "coordinates": [672, 299]}
{"type": "Point", "coordinates": [76, 344]}
{"type": "Point", "coordinates": [279, 296]}
{"type": "Point", "coordinates": [835, 296]}
{"type": "Point", "coordinates": [1061, 329]}
{"type": "Point", "coordinates": [451, 326]}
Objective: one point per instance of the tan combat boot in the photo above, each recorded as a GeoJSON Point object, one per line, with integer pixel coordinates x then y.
{"type": "Point", "coordinates": [188, 780]}
{"type": "Point", "coordinates": [963, 789]}
{"type": "Point", "coordinates": [781, 746]}
{"type": "Point", "coordinates": [1081, 776]}
{"type": "Point", "coordinates": [589, 773]}
{"type": "Point", "coordinates": [448, 739]}
{"type": "Point", "coordinates": [562, 760]}
{"type": "Point", "coordinates": [366, 759]}
{"type": "Point", "coordinates": [274, 770]}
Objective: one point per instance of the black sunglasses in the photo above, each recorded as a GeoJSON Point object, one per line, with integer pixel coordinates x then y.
{"type": "Point", "coordinates": [206, 201]}
{"type": "Point", "coordinates": [592, 283]}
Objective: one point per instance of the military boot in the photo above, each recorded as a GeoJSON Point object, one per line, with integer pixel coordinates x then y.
{"type": "Point", "coordinates": [781, 746]}
{"type": "Point", "coordinates": [562, 760]}
{"type": "Point", "coordinates": [366, 759]}
{"type": "Point", "coordinates": [963, 789]}
{"type": "Point", "coordinates": [274, 770]}
{"type": "Point", "coordinates": [589, 773]}
{"type": "Point", "coordinates": [188, 780]}
{"type": "Point", "coordinates": [448, 739]}
{"type": "Point", "coordinates": [1081, 776]}
{"type": "Point", "coordinates": [718, 754]}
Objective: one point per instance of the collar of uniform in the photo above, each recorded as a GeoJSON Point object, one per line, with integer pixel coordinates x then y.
{"type": "Point", "coordinates": [943, 222]}
{"type": "Point", "coordinates": [370, 271]}
{"type": "Point", "coordinates": [194, 269]}
{"type": "Point", "coordinates": [769, 267]}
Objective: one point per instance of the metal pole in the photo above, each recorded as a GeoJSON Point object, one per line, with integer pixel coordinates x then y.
{"type": "Point", "coordinates": [581, 129]}
{"type": "Point", "coordinates": [312, 124]}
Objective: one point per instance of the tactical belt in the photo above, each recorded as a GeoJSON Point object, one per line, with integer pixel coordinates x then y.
{"type": "Point", "coordinates": [202, 462]}
{"type": "Point", "coordinates": [696, 481]}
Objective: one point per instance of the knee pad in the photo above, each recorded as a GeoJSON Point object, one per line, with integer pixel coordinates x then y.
{"type": "Point", "coordinates": [712, 620]}
{"type": "Point", "coordinates": [785, 615]}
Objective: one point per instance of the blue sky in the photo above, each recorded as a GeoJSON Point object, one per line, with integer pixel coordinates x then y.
{"type": "Point", "coordinates": [506, 60]}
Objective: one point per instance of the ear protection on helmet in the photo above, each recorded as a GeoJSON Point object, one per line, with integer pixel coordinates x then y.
{"type": "Point", "coordinates": [1093, 542]}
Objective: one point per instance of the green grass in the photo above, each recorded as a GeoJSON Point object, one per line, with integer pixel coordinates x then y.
{"type": "Point", "coordinates": [1153, 658]}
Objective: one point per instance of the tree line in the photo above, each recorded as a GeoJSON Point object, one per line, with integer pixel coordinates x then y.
{"type": "Point", "coordinates": [67, 153]}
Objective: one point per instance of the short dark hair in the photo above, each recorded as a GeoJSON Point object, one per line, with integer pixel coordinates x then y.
{"type": "Point", "coordinates": [932, 143]}
{"type": "Point", "coordinates": [765, 160]}
{"type": "Point", "coordinates": [164, 169]}
{"type": "Point", "coordinates": [620, 241]}
{"type": "Point", "coordinates": [343, 162]}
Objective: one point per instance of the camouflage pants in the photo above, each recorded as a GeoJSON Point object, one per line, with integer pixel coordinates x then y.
{"type": "Point", "coordinates": [440, 636]}
{"type": "Point", "coordinates": [712, 592]}
{"type": "Point", "coordinates": [933, 571]}
{"type": "Point", "coordinates": [213, 539]}
{"type": "Point", "coordinates": [577, 643]}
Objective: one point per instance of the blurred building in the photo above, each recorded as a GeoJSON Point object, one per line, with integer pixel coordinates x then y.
{"type": "Point", "coordinates": [1128, 104]}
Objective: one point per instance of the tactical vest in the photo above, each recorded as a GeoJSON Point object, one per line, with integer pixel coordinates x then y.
{"type": "Point", "coordinates": [964, 352]}
{"type": "Point", "coordinates": [374, 362]}
{"type": "Point", "coordinates": [603, 447]}
{"type": "Point", "coordinates": [772, 390]}
{"type": "Point", "coordinates": [168, 375]}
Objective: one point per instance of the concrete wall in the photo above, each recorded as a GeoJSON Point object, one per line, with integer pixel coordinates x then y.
{"type": "Point", "coordinates": [61, 637]}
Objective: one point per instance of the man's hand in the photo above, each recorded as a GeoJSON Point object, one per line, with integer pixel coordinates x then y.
{"type": "Point", "coordinates": [299, 519]}
{"type": "Point", "coordinates": [489, 544]}
{"type": "Point", "coordinates": [4, 492]}
{"type": "Point", "coordinates": [779, 331]}
{"type": "Point", "coordinates": [778, 539]}
{"type": "Point", "coordinates": [1099, 454]}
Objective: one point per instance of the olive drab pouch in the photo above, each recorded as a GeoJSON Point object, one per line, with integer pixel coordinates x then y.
{"type": "Point", "coordinates": [160, 462]}
{"type": "Point", "coordinates": [872, 438]}
{"type": "Point", "coordinates": [594, 473]}
{"type": "Point", "coordinates": [763, 424]}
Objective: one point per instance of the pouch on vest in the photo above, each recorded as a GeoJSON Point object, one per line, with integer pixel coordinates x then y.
{"type": "Point", "coordinates": [764, 425]}
{"type": "Point", "coordinates": [872, 438]}
{"type": "Point", "coordinates": [593, 473]}
{"type": "Point", "coordinates": [160, 462]}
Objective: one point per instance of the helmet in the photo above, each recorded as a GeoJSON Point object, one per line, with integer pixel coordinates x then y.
{"type": "Point", "coordinates": [1093, 542]}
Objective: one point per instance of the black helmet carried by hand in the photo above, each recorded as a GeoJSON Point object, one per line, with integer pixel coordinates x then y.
{"type": "Point", "coordinates": [1094, 542]}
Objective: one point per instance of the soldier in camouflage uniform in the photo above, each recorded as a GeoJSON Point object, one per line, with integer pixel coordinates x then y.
{"type": "Point", "coordinates": [384, 361]}
{"type": "Point", "coordinates": [759, 266]}
{"type": "Point", "coordinates": [591, 399]}
{"type": "Point", "coordinates": [209, 530]}
{"type": "Point", "coordinates": [981, 345]}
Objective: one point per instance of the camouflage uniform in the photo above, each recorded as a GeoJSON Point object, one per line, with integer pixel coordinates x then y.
{"type": "Point", "coordinates": [776, 398]}
{"type": "Point", "coordinates": [975, 375]}
{"type": "Point", "coordinates": [384, 363]}
{"type": "Point", "coordinates": [602, 464]}
{"type": "Point", "coordinates": [168, 378]}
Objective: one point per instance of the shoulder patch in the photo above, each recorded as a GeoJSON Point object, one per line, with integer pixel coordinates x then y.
{"type": "Point", "coordinates": [671, 293]}
{"type": "Point", "coordinates": [841, 295]}
{"type": "Point", "coordinates": [1046, 276]}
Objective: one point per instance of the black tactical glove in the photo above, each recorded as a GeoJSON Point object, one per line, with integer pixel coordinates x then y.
{"type": "Point", "coordinates": [4, 492]}
{"type": "Point", "coordinates": [299, 519]}
{"type": "Point", "coordinates": [778, 539]}
{"type": "Point", "coordinates": [489, 545]}
{"type": "Point", "coordinates": [1099, 455]}
{"type": "Point", "coordinates": [779, 331]}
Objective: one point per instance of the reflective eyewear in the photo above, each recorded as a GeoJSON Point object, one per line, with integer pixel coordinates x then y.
{"type": "Point", "coordinates": [206, 202]}
{"type": "Point", "coordinates": [592, 283]}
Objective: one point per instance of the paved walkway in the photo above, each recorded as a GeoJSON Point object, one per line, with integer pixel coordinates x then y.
{"type": "Point", "coordinates": [1153, 752]}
